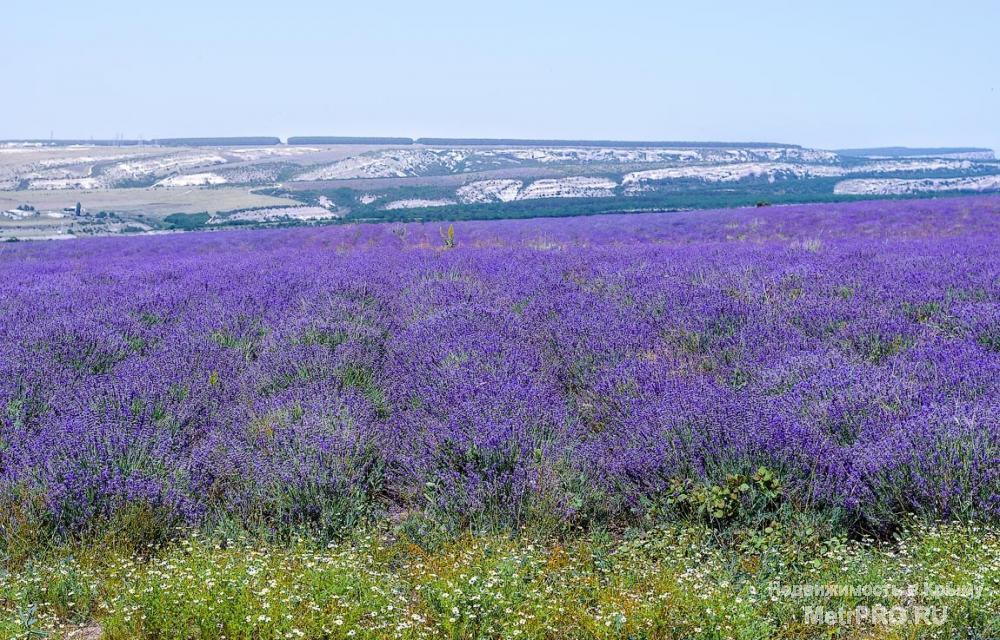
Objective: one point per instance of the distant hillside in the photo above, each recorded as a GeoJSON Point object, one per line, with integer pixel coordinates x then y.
{"type": "Point", "coordinates": [48, 142]}
{"type": "Point", "coordinates": [238, 141]}
{"type": "Point", "coordinates": [527, 142]}
{"type": "Point", "coordinates": [627, 144]}
{"type": "Point", "coordinates": [906, 152]}
{"type": "Point", "coordinates": [133, 186]}
{"type": "Point", "coordinates": [347, 140]}
{"type": "Point", "coordinates": [248, 141]}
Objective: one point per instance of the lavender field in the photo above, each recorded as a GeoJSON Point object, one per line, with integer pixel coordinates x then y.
{"type": "Point", "coordinates": [832, 363]}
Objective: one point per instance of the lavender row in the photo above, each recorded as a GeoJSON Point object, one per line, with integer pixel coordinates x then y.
{"type": "Point", "coordinates": [571, 370]}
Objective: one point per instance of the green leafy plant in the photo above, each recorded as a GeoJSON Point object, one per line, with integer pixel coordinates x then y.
{"type": "Point", "coordinates": [28, 623]}
{"type": "Point", "coordinates": [718, 503]}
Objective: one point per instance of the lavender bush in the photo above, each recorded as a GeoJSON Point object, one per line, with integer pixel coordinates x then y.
{"type": "Point", "coordinates": [559, 370]}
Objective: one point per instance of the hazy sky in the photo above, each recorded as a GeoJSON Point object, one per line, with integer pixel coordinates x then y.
{"type": "Point", "coordinates": [825, 74]}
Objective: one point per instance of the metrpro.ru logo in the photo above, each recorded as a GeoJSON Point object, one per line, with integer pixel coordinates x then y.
{"type": "Point", "coordinates": [878, 605]}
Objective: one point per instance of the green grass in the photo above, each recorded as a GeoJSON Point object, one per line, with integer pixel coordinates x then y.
{"type": "Point", "coordinates": [676, 581]}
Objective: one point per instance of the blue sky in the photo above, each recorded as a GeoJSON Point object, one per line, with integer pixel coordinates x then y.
{"type": "Point", "coordinates": [826, 74]}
